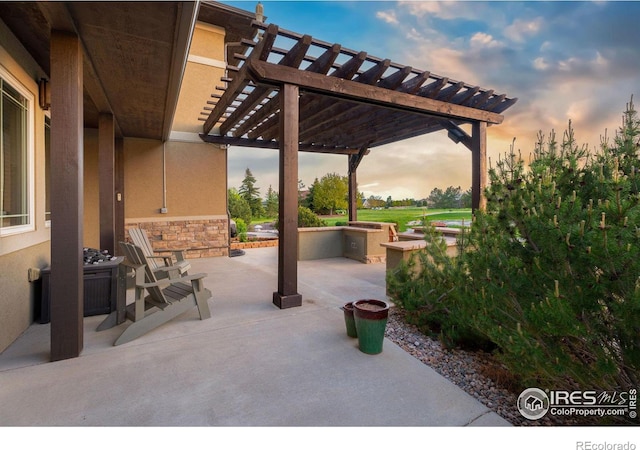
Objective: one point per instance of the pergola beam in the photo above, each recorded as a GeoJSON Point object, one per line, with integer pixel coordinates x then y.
{"type": "Point", "coordinates": [268, 130]}
{"type": "Point", "coordinates": [259, 143]}
{"type": "Point", "coordinates": [350, 90]}
{"type": "Point", "coordinates": [457, 134]}
{"type": "Point", "coordinates": [321, 65]}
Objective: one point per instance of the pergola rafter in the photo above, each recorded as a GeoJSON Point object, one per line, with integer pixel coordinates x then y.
{"type": "Point", "coordinates": [296, 93]}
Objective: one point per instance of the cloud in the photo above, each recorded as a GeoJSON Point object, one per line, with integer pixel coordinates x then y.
{"type": "Point", "coordinates": [540, 63]}
{"type": "Point", "coordinates": [414, 35]}
{"type": "Point", "coordinates": [484, 40]}
{"type": "Point", "coordinates": [442, 10]}
{"type": "Point", "coordinates": [388, 16]}
{"type": "Point", "coordinates": [521, 29]}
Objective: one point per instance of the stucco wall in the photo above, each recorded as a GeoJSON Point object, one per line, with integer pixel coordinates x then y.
{"type": "Point", "coordinates": [21, 251]}
{"type": "Point", "coordinates": [319, 243]}
{"type": "Point", "coordinates": [196, 179]}
{"type": "Point", "coordinates": [91, 222]}
{"type": "Point", "coordinates": [196, 186]}
{"type": "Point", "coordinates": [18, 295]}
{"type": "Point", "coordinates": [205, 66]}
{"type": "Point", "coordinates": [361, 244]}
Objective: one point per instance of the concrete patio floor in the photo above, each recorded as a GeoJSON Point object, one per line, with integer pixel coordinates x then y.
{"type": "Point", "coordinates": [251, 364]}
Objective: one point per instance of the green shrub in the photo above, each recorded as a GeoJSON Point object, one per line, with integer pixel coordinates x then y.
{"type": "Point", "coordinates": [238, 207]}
{"type": "Point", "coordinates": [550, 272]}
{"type": "Point", "coordinates": [306, 218]}
{"type": "Point", "coordinates": [242, 228]}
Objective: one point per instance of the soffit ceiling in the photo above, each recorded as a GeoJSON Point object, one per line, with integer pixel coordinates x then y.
{"type": "Point", "coordinates": [134, 53]}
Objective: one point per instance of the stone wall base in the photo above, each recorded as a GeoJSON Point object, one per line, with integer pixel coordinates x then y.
{"type": "Point", "coordinates": [201, 238]}
{"type": "Point", "coordinates": [375, 259]}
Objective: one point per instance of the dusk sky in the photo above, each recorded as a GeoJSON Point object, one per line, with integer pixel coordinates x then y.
{"type": "Point", "coordinates": [577, 61]}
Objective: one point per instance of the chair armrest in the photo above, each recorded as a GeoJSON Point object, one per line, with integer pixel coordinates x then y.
{"type": "Point", "coordinates": [167, 282]}
{"type": "Point", "coordinates": [180, 255]}
{"type": "Point", "coordinates": [165, 259]}
{"type": "Point", "coordinates": [128, 263]}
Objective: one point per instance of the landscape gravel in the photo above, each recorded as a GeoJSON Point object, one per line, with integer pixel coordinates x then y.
{"type": "Point", "coordinates": [477, 373]}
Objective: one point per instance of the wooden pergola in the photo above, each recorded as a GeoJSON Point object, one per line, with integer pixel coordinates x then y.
{"type": "Point", "coordinates": [295, 93]}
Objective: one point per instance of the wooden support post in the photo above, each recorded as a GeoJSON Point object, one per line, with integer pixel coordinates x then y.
{"type": "Point", "coordinates": [107, 180]}
{"type": "Point", "coordinates": [119, 192]}
{"type": "Point", "coordinates": [354, 162]}
{"type": "Point", "coordinates": [479, 165]}
{"type": "Point", "coordinates": [287, 295]}
{"type": "Point", "coordinates": [67, 147]}
{"type": "Point", "coordinates": [353, 196]}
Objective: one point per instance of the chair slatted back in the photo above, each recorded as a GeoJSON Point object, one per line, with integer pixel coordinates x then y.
{"type": "Point", "coordinates": [135, 254]}
{"type": "Point", "coordinates": [140, 239]}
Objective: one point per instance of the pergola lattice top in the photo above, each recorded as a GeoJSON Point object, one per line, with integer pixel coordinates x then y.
{"type": "Point", "coordinates": [349, 102]}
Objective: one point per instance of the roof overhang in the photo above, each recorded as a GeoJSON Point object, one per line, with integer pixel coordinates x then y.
{"type": "Point", "coordinates": [134, 55]}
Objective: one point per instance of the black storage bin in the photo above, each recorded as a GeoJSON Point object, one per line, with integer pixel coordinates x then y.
{"type": "Point", "coordinates": [100, 289]}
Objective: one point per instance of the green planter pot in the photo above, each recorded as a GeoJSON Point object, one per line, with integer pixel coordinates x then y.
{"type": "Point", "coordinates": [370, 317]}
{"type": "Point", "coordinates": [349, 320]}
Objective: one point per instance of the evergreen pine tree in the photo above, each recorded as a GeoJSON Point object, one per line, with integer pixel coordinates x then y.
{"type": "Point", "coordinates": [251, 194]}
{"type": "Point", "coordinates": [271, 203]}
{"type": "Point", "coordinates": [550, 271]}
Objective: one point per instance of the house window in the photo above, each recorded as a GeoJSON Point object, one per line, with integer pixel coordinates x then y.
{"type": "Point", "coordinates": [16, 157]}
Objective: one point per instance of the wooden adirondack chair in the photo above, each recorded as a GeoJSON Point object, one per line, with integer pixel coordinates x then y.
{"type": "Point", "coordinates": [167, 298]}
{"type": "Point", "coordinates": [170, 266]}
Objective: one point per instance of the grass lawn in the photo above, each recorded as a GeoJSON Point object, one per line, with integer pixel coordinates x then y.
{"type": "Point", "coordinates": [401, 216]}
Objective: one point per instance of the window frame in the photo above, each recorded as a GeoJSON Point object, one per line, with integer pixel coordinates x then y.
{"type": "Point", "coordinates": [29, 183]}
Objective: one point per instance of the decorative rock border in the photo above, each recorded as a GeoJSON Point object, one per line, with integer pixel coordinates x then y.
{"type": "Point", "coordinates": [254, 244]}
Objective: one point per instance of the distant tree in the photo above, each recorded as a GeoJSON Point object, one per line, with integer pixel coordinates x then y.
{"type": "Point", "coordinates": [389, 202]}
{"type": "Point", "coordinates": [452, 197]}
{"type": "Point", "coordinates": [465, 199]}
{"type": "Point", "coordinates": [403, 202]}
{"type": "Point", "coordinates": [305, 198]}
{"type": "Point", "coordinates": [301, 192]}
{"type": "Point", "coordinates": [271, 203]}
{"type": "Point", "coordinates": [375, 201]}
{"type": "Point", "coordinates": [447, 199]}
{"type": "Point", "coordinates": [251, 194]}
{"type": "Point", "coordinates": [238, 207]}
{"type": "Point", "coordinates": [330, 193]}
